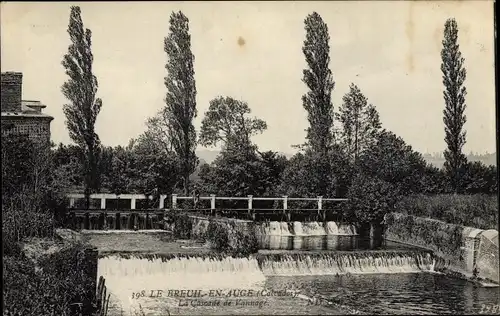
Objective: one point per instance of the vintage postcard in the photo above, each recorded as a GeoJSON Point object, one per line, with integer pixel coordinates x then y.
{"type": "Point", "coordinates": [249, 158]}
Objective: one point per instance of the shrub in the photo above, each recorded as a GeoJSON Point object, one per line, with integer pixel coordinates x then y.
{"type": "Point", "coordinates": [479, 210]}
{"type": "Point", "coordinates": [226, 237]}
{"type": "Point", "coordinates": [370, 199]}
{"type": "Point", "coordinates": [182, 226]}
{"type": "Point", "coordinates": [53, 285]}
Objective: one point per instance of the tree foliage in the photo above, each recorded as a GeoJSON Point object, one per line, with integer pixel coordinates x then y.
{"type": "Point", "coordinates": [454, 75]}
{"type": "Point", "coordinates": [360, 122]}
{"type": "Point", "coordinates": [180, 110]}
{"type": "Point", "coordinates": [80, 90]}
{"type": "Point", "coordinates": [319, 80]}
{"type": "Point", "coordinates": [370, 199]}
{"type": "Point", "coordinates": [226, 122]}
{"type": "Point", "coordinates": [390, 159]}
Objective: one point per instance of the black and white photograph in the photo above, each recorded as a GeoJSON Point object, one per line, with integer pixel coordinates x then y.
{"type": "Point", "coordinates": [165, 158]}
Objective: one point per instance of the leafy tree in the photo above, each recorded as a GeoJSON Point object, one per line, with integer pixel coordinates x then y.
{"type": "Point", "coordinates": [234, 173]}
{"type": "Point", "coordinates": [370, 199]}
{"type": "Point", "coordinates": [180, 110]}
{"type": "Point", "coordinates": [319, 80]}
{"type": "Point", "coordinates": [274, 168]}
{"type": "Point", "coordinates": [480, 178]}
{"type": "Point", "coordinates": [304, 171]}
{"type": "Point", "coordinates": [360, 122]}
{"type": "Point", "coordinates": [81, 88]}
{"type": "Point", "coordinates": [454, 75]}
{"type": "Point", "coordinates": [68, 160]}
{"type": "Point", "coordinates": [390, 159]}
{"type": "Point", "coordinates": [159, 170]}
{"type": "Point", "coordinates": [226, 122]}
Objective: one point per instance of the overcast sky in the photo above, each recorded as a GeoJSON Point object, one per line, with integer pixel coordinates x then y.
{"type": "Point", "coordinates": [391, 50]}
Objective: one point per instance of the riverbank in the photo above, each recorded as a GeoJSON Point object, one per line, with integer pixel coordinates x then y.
{"type": "Point", "coordinates": [49, 275]}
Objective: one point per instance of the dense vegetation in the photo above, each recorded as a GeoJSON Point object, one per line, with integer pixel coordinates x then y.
{"type": "Point", "coordinates": [33, 205]}
{"type": "Point", "coordinates": [478, 210]}
{"type": "Point", "coordinates": [347, 153]}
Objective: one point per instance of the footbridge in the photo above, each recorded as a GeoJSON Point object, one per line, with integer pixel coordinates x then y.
{"type": "Point", "coordinates": [138, 211]}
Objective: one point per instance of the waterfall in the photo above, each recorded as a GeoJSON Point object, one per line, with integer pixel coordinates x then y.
{"type": "Point", "coordinates": [332, 228]}
{"type": "Point", "coordinates": [275, 228]}
{"type": "Point", "coordinates": [284, 229]}
{"type": "Point", "coordinates": [313, 229]}
{"type": "Point", "coordinates": [297, 229]}
{"type": "Point", "coordinates": [345, 263]}
{"type": "Point", "coordinates": [125, 275]}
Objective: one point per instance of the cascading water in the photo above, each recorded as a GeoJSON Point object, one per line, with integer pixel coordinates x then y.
{"type": "Point", "coordinates": [129, 274]}
{"type": "Point", "coordinates": [284, 229]}
{"type": "Point", "coordinates": [345, 263]}
{"type": "Point", "coordinates": [275, 228]}
{"type": "Point", "coordinates": [313, 229]}
{"type": "Point", "coordinates": [332, 228]}
{"type": "Point", "coordinates": [297, 229]}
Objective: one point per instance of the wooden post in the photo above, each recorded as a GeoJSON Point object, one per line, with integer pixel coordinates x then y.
{"type": "Point", "coordinates": [162, 201]}
{"type": "Point", "coordinates": [132, 203]}
{"type": "Point", "coordinates": [71, 202]}
{"type": "Point", "coordinates": [286, 212]}
{"type": "Point", "coordinates": [105, 224]}
{"type": "Point", "coordinates": [103, 203]}
{"type": "Point", "coordinates": [250, 207]}
{"type": "Point", "coordinates": [212, 204]}
{"type": "Point", "coordinates": [174, 201]}
{"type": "Point", "coordinates": [321, 213]}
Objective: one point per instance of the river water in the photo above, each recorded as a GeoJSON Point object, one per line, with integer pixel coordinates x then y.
{"type": "Point", "coordinates": [299, 275]}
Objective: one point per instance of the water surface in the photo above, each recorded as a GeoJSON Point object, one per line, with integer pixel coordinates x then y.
{"type": "Point", "coordinates": [327, 242]}
{"type": "Point", "coordinates": [422, 293]}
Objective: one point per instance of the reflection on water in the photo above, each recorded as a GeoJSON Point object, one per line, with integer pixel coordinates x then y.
{"type": "Point", "coordinates": [329, 242]}
{"type": "Point", "coordinates": [417, 294]}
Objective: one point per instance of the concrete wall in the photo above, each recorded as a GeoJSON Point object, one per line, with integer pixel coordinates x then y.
{"type": "Point", "coordinates": [463, 249]}
{"type": "Point", "coordinates": [487, 260]}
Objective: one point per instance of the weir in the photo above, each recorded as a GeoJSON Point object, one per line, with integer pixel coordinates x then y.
{"type": "Point", "coordinates": [201, 271]}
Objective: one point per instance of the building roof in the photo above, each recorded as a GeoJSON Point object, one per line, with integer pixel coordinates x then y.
{"type": "Point", "coordinates": [28, 114]}
{"type": "Point", "coordinates": [32, 104]}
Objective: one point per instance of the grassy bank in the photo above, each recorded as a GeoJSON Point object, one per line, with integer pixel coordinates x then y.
{"type": "Point", "coordinates": [48, 278]}
{"type": "Point", "coordinates": [478, 210]}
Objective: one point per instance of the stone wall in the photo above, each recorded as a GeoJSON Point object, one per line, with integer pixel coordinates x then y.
{"type": "Point", "coordinates": [487, 257]}
{"type": "Point", "coordinates": [462, 248]}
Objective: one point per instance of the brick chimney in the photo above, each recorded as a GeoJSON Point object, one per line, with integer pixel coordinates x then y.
{"type": "Point", "coordinates": [11, 91]}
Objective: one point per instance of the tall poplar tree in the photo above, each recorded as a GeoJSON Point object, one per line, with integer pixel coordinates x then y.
{"type": "Point", "coordinates": [454, 75]}
{"type": "Point", "coordinates": [318, 78]}
{"type": "Point", "coordinates": [180, 109]}
{"type": "Point", "coordinates": [317, 101]}
{"type": "Point", "coordinates": [83, 107]}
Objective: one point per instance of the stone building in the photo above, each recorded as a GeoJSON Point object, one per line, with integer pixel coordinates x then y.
{"type": "Point", "coordinates": [22, 116]}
